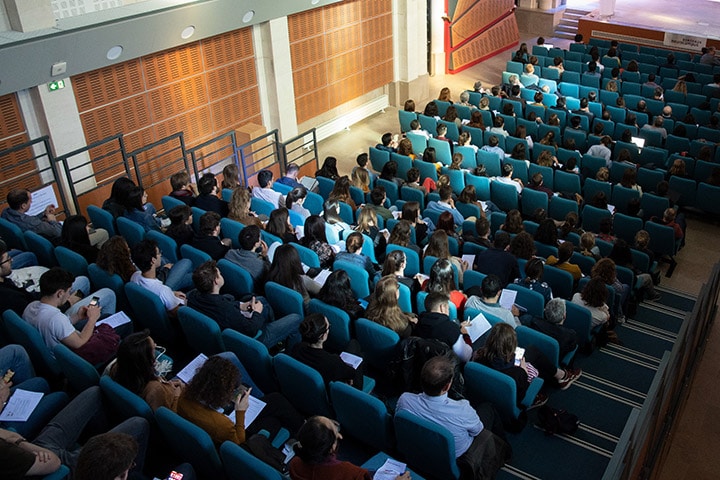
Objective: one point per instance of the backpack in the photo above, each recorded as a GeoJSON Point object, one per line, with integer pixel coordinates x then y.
{"type": "Point", "coordinates": [555, 421]}
{"type": "Point", "coordinates": [412, 355]}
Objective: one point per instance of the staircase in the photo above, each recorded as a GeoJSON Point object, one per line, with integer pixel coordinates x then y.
{"type": "Point", "coordinates": [567, 28]}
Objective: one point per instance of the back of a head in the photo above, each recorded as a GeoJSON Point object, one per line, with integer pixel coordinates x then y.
{"type": "Point", "coordinates": [354, 242]}
{"type": "Point", "coordinates": [179, 180]}
{"type": "Point", "coordinates": [502, 240]}
{"type": "Point", "coordinates": [264, 177]}
{"type": "Point", "coordinates": [565, 251]}
{"type": "Point", "coordinates": [204, 276]}
{"type": "Point", "coordinates": [106, 456]}
{"type": "Point", "coordinates": [434, 300]}
{"type": "Point", "coordinates": [555, 311]}
{"type": "Point", "coordinates": [249, 236]}
{"type": "Point", "coordinates": [377, 195]}
{"type": "Point", "coordinates": [436, 374]}
{"type": "Point", "coordinates": [445, 192]}
{"type": "Point", "coordinates": [55, 279]}
{"type": "Point", "coordinates": [209, 221]}
{"type": "Point", "coordinates": [206, 184]}
{"type": "Point", "coordinates": [507, 169]}
{"type": "Point", "coordinates": [143, 253]}
{"type": "Point", "coordinates": [491, 286]}
{"type": "Point", "coordinates": [315, 440]}
{"type": "Point", "coordinates": [17, 197]}
{"type": "Point", "coordinates": [312, 328]}
{"type": "Point", "coordinates": [292, 169]}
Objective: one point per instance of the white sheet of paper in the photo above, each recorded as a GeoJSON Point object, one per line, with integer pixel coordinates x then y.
{"type": "Point", "coordinates": [254, 408]}
{"type": "Point", "coordinates": [396, 214]}
{"type": "Point", "coordinates": [300, 232]}
{"type": "Point", "coordinates": [422, 278]}
{"type": "Point", "coordinates": [187, 373]}
{"type": "Point", "coordinates": [470, 259]}
{"type": "Point", "coordinates": [611, 208]}
{"type": "Point", "coordinates": [507, 298]}
{"type": "Point", "coordinates": [390, 470]}
{"type": "Point", "coordinates": [478, 326]}
{"type": "Point", "coordinates": [352, 360]}
{"type": "Point", "coordinates": [41, 198]}
{"type": "Point", "coordinates": [322, 277]}
{"type": "Point", "coordinates": [20, 406]}
{"type": "Point", "coordinates": [115, 320]}
{"type": "Point", "coordinates": [484, 205]}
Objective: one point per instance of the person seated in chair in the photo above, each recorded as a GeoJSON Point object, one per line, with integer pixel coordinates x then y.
{"type": "Point", "coordinates": [264, 190]}
{"type": "Point", "coordinates": [207, 198]}
{"type": "Point", "coordinates": [552, 325]}
{"type": "Point", "coordinates": [435, 323]}
{"type": "Point", "coordinates": [498, 260]}
{"type": "Point", "coordinates": [208, 240]}
{"type": "Point", "coordinates": [183, 189]}
{"type": "Point", "coordinates": [290, 177]}
{"type": "Point", "coordinates": [489, 302]}
{"type": "Point", "coordinates": [252, 255]}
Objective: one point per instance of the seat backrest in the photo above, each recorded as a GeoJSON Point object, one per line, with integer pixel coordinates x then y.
{"type": "Point", "coordinates": [362, 415]}
{"type": "Point", "coordinates": [307, 256]}
{"type": "Point", "coordinates": [202, 332]}
{"type": "Point", "coordinates": [190, 442]}
{"type": "Point", "coordinates": [533, 301]}
{"type": "Point", "coordinates": [546, 344]}
{"type": "Point", "coordinates": [150, 312]}
{"type": "Point", "coordinates": [283, 300]}
{"type": "Point", "coordinates": [326, 185]}
{"type": "Point", "coordinates": [101, 219]}
{"type": "Point", "coordinates": [378, 342]}
{"type": "Point", "coordinates": [78, 371]}
{"type": "Point", "coordinates": [238, 281]}
{"type": "Point", "coordinates": [124, 402]}
{"type": "Point", "coordinates": [42, 248]}
{"type": "Point", "coordinates": [428, 447]}
{"type": "Point", "coordinates": [71, 261]}
{"type": "Point", "coordinates": [131, 231]}
{"type": "Point", "coordinates": [391, 189]}
{"type": "Point", "coordinates": [169, 203]}
{"type": "Point", "coordinates": [378, 159]}
{"type": "Point", "coordinates": [591, 217]}
{"type": "Point", "coordinates": [483, 384]}
{"type": "Point", "coordinates": [240, 464]}
{"type": "Point", "coordinates": [504, 196]}
{"type": "Point", "coordinates": [168, 245]}
{"type": "Point", "coordinates": [29, 337]}
{"type": "Point", "coordinates": [302, 385]}
{"type": "Point", "coordinates": [662, 238]}
{"type": "Point", "coordinates": [339, 320]}
{"type": "Point", "coordinates": [196, 256]}
{"type": "Point", "coordinates": [359, 278]}
{"type": "Point", "coordinates": [102, 279]}
{"type": "Point", "coordinates": [559, 280]}
{"type": "Point", "coordinates": [578, 318]}
{"type": "Point", "coordinates": [12, 235]}
{"type": "Point", "coordinates": [559, 207]}
{"type": "Point", "coordinates": [254, 356]}
{"type": "Point", "coordinates": [231, 229]}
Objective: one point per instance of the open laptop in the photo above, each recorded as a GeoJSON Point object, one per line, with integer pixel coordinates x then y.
{"type": "Point", "coordinates": [639, 141]}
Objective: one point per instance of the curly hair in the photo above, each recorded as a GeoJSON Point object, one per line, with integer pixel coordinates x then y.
{"type": "Point", "coordinates": [547, 232]}
{"type": "Point", "coordinates": [214, 383]}
{"type": "Point", "coordinates": [522, 246]}
{"type": "Point", "coordinates": [605, 270]}
{"type": "Point", "coordinates": [595, 293]}
{"type": "Point", "coordinates": [114, 257]}
{"type": "Point", "coordinates": [513, 222]}
{"type": "Point", "coordinates": [239, 205]}
{"type": "Point", "coordinates": [400, 234]}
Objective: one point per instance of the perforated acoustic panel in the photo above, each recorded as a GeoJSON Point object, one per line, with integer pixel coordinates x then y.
{"type": "Point", "coordinates": [339, 52]}
{"type": "Point", "coordinates": [497, 38]}
{"type": "Point", "coordinates": [12, 133]}
{"type": "Point", "coordinates": [202, 89]}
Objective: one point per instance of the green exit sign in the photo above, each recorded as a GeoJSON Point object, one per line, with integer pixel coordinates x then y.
{"type": "Point", "coordinates": [52, 86]}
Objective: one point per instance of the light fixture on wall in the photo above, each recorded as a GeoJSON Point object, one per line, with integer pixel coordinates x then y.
{"type": "Point", "coordinates": [314, 2]}
{"type": "Point", "coordinates": [114, 52]}
{"type": "Point", "coordinates": [187, 32]}
{"type": "Point", "coordinates": [248, 16]}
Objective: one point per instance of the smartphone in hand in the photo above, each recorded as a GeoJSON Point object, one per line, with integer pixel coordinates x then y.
{"type": "Point", "coordinates": [519, 354]}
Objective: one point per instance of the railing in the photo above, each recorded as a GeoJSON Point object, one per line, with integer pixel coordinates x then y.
{"type": "Point", "coordinates": [302, 151]}
{"type": "Point", "coordinates": [259, 154]}
{"type": "Point", "coordinates": [214, 154]}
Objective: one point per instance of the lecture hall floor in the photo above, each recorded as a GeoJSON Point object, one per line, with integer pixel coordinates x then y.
{"type": "Point", "coordinates": [691, 455]}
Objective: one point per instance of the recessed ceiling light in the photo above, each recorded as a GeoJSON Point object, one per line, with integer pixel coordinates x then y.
{"type": "Point", "coordinates": [315, 2]}
{"type": "Point", "coordinates": [248, 16]}
{"type": "Point", "coordinates": [114, 52]}
{"type": "Point", "coordinates": [187, 32]}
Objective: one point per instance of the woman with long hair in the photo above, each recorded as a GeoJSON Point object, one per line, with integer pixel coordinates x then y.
{"type": "Point", "coordinates": [384, 308]}
{"type": "Point", "coordinates": [114, 258]}
{"type": "Point", "coordinates": [328, 169]}
{"type": "Point", "coordinates": [411, 213]}
{"type": "Point", "coordinates": [547, 233]}
{"type": "Point", "coordinates": [513, 222]}
{"type": "Point", "coordinates": [405, 148]}
{"type": "Point", "coordinates": [395, 263]}
{"type": "Point", "coordinates": [361, 179]}
{"type": "Point", "coordinates": [135, 210]}
{"type": "Point", "coordinates": [533, 279]}
{"type": "Point", "coordinates": [280, 226]}
{"type": "Point", "coordinates": [442, 280]}
{"type": "Point", "coordinates": [401, 235]}
{"type": "Point", "coordinates": [239, 208]}
{"type": "Point", "coordinates": [294, 201]}
{"type": "Point", "coordinates": [218, 385]}
{"type": "Point", "coordinates": [181, 221]}
{"type": "Point", "coordinates": [446, 223]}
{"type": "Point", "coordinates": [338, 293]}
{"type": "Point", "coordinates": [499, 354]}
{"type": "Point", "coordinates": [606, 270]}
{"type": "Point", "coordinates": [118, 196]}
{"type": "Point", "coordinates": [231, 176]}
{"type": "Point", "coordinates": [341, 192]}
{"type": "Point", "coordinates": [594, 297]}
{"type": "Point", "coordinates": [439, 247]}
{"type": "Point", "coordinates": [75, 236]}
{"type": "Point", "coordinates": [287, 270]}
{"type": "Point", "coordinates": [316, 240]}
{"type": "Point", "coordinates": [367, 225]}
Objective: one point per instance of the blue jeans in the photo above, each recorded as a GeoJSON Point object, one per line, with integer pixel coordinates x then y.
{"type": "Point", "coordinates": [180, 275]}
{"type": "Point", "coordinates": [281, 329]}
{"type": "Point", "coordinates": [49, 405]}
{"type": "Point", "coordinates": [15, 358]}
{"type": "Point", "coordinates": [22, 259]}
{"type": "Point", "coordinates": [106, 301]}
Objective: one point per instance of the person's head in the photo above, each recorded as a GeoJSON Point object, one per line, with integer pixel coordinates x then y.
{"type": "Point", "coordinates": [595, 292]}
{"type": "Point", "coordinates": [431, 110]}
{"type": "Point", "coordinates": [286, 268]}
{"type": "Point", "coordinates": [388, 172]}
{"type": "Point", "coordinates": [513, 221]}
{"type": "Point", "coordinates": [146, 254]}
{"type": "Point", "coordinates": [207, 276]}
{"type": "Point", "coordinates": [135, 198]}
{"type": "Point", "coordinates": [354, 242]}
{"type": "Point", "coordinates": [436, 375]}
{"type": "Point", "coordinates": [468, 194]}
{"type": "Point", "coordinates": [342, 185]}
{"type": "Point", "coordinates": [209, 223]}
{"type": "Point", "coordinates": [507, 168]}
{"type": "Point", "coordinates": [464, 97]}
{"type": "Point", "coordinates": [565, 251]}
{"type": "Point", "coordinates": [108, 456]}
{"type": "Point", "coordinates": [438, 245]}
{"type": "Point", "coordinates": [367, 219]}
{"type": "Point", "coordinates": [501, 240]}
{"type": "Point", "coordinates": [451, 114]}
{"type": "Point", "coordinates": [587, 241]}
{"type": "Point", "coordinates": [605, 270]}
{"type": "Point", "coordinates": [677, 167]}
{"type": "Point", "coordinates": [214, 384]}
{"type": "Point", "coordinates": [518, 153]}
{"type": "Point", "coordinates": [384, 308]}
{"type": "Point", "coordinates": [413, 175]}
{"type": "Point", "coordinates": [575, 122]}
{"type": "Point", "coordinates": [500, 344]}
{"type": "Point", "coordinates": [249, 237]}
{"type": "Point", "coordinates": [534, 269]}
{"type": "Point", "coordinates": [547, 232]}
{"type": "Point", "coordinates": [603, 174]}
{"type": "Point", "coordinates": [529, 69]}
{"type": "Point", "coordinates": [315, 327]}
{"type": "Point", "coordinates": [491, 287]}
{"type": "Point", "coordinates": [114, 257]}
{"type": "Point", "coordinates": [629, 178]}
{"type": "Point", "coordinates": [446, 222]}
{"type": "Point", "coordinates": [642, 239]}
{"type": "Point", "coordinates": [329, 166]}
{"type": "Point", "coordinates": [395, 262]}
{"type": "Point", "coordinates": [331, 211]}
{"type": "Point", "coordinates": [400, 234]}
{"type": "Point", "coordinates": [378, 195]}
{"type": "Point", "coordinates": [493, 141]}
{"type": "Point", "coordinates": [441, 130]}
{"type": "Point", "coordinates": [437, 303]}
{"type": "Point", "coordinates": [119, 190]}
{"type": "Point", "coordinates": [522, 246]}
{"type": "Point", "coordinates": [578, 38]}
{"type": "Point", "coordinates": [545, 159]}
{"type": "Point", "coordinates": [296, 195]}
{"type": "Point", "coordinates": [180, 215]}
{"type": "Point", "coordinates": [179, 180]}
{"type": "Point", "coordinates": [317, 440]}
{"type": "Point", "coordinates": [314, 229]}
{"type": "Point", "coordinates": [669, 215]}
{"type": "Point", "coordinates": [56, 283]}
{"type": "Point", "coordinates": [555, 311]}
{"type": "Point", "coordinates": [231, 175]}
{"type": "Point", "coordinates": [135, 365]}
{"type": "Point", "coordinates": [279, 222]}
{"type": "Point", "coordinates": [592, 66]}
{"type": "Point", "coordinates": [538, 97]}
{"type": "Point", "coordinates": [605, 225]}
{"type": "Point", "coordinates": [5, 260]}
{"type": "Point", "coordinates": [264, 178]}
{"type": "Point", "coordinates": [442, 277]}
{"type": "Point", "coordinates": [291, 170]}
{"type": "Point", "coordinates": [409, 105]}
{"type": "Point", "coordinates": [508, 109]}
{"type": "Point", "coordinates": [207, 185]}
{"type": "Point", "coordinates": [74, 231]}
{"type": "Point", "coordinates": [386, 139]}
{"type": "Point", "coordinates": [239, 205]}
{"type": "Point", "coordinates": [482, 227]}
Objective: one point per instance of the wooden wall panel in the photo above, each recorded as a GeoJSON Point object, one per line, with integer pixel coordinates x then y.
{"type": "Point", "coordinates": [11, 122]}
{"type": "Point", "coordinates": [334, 52]}
{"type": "Point", "coordinates": [203, 89]}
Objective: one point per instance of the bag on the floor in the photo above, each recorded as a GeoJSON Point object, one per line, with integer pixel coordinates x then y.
{"type": "Point", "coordinates": [261, 447]}
{"type": "Point", "coordinates": [555, 421]}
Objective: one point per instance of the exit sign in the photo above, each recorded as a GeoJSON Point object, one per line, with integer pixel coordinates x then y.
{"type": "Point", "coordinates": [60, 84]}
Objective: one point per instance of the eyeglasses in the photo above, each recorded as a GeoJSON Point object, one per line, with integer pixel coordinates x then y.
{"type": "Point", "coordinates": [9, 259]}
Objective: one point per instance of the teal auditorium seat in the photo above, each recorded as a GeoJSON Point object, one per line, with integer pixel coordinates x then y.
{"type": "Point", "coordinates": [79, 373]}
{"type": "Point", "coordinates": [149, 312]}
{"type": "Point", "coordinates": [168, 245]}
{"type": "Point", "coordinates": [239, 464]}
{"type": "Point", "coordinates": [339, 320]}
{"type": "Point", "coordinates": [71, 261]}
{"type": "Point", "coordinates": [196, 256]}
{"type": "Point", "coordinates": [428, 447]}
{"type": "Point", "coordinates": [101, 219]}
{"type": "Point", "coordinates": [124, 402]}
{"type": "Point", "coordinates": [29, 337]}
{"type": "Point", "coordinates": [254, 356]}
{"type": "Point", "coordinates": [42, 248]}
{"type": "Point", "coordinates": [283, 300]}
{"type": "Point", "coordinates": [378, 342]}
{"type": "Point", "coordinates": [202, 332]}
{"type": "Point", "coordinates": [303, 386]}
{"type": "Point", "coordinates": [131, 231]}
{"type": "Point", "coordinates": [362, 416]}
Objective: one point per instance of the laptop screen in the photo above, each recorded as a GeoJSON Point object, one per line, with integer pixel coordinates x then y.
{"type": "Point", "coordinates": [640, 142]}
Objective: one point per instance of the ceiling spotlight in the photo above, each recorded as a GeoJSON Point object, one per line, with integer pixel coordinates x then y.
{"type": "Point", "coordinates": [187, 32]}
{"type": "Point", "coordinates": [248, 16]}
{"type": "Point", "coordinates": [114, 52]}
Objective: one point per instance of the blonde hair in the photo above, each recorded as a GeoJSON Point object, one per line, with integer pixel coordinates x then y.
{"type": "Point", "coordinates": [361, 179]}
{"type": "Point", "coordinates": [384, 308]}
{"type": "Point", "coordinates": [239, 205]}
{"type": "Point", "coordinates": [366, 218]}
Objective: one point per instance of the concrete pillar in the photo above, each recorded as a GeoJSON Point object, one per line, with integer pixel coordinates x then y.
{"type": "Point", "coordinates": [410, 52]}
{"type": "Point", "coordinates": [30, 15]}
{"type": "Point", "coordinates": [275, 79]}
{"type": "Point", "coordinates": [437, 35]}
